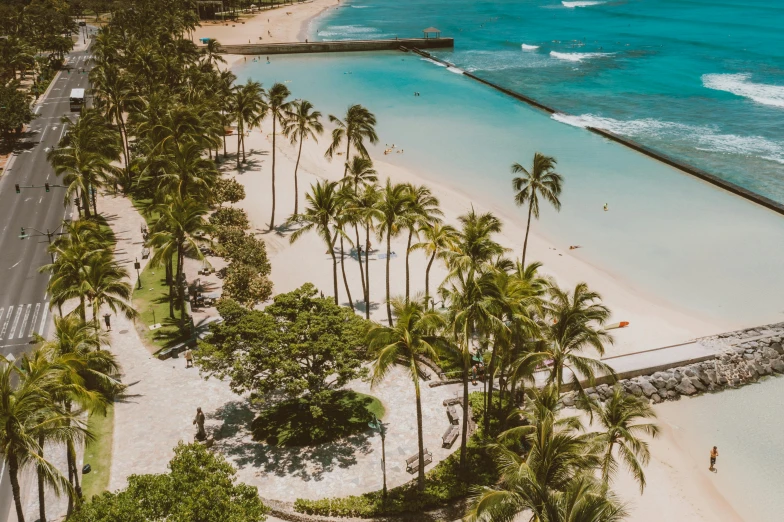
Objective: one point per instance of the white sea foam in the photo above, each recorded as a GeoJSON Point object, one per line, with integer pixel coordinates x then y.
{"type": "Point", "coordinates": [344, 30]}
{"type": "Point", "coordinates": [454, 70]}
{"type": "Point", "coordinates": [577, 57]}
{"type": "Point", "coordinates": [433, 62]}
{"type": "Point", "coordinates": [703, 138]}
{"type": "Point", "coordinates": [527, 47]}
{"type": "Point", "coordinates": [572, 5]}
{"type": "Point", "coordinates": [739, 85]}
{"type": "Point", "coordinates": [361, 6]}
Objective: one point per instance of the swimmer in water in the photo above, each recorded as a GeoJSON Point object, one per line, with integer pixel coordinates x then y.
{"type": "Point", "coordinates": [606, 207]}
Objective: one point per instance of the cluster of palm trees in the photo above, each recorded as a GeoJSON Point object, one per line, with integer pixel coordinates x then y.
{"type": "Point", "coordinates": [43, 397]}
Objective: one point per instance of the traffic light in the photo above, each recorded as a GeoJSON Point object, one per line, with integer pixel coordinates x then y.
{"type": "Point", "coordinates": [18, 190]}
{"type": "Point", "coordinates": [46, 186]}
{"type": "Point", "coordinates": [22, 235]}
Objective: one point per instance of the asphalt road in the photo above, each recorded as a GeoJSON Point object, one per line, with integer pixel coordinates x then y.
{"type": "Point", "coordinates": [24, 302]}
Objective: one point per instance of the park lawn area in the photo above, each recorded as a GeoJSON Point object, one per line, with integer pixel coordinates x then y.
{"type": "Point", "coordinates": [291, 422]}
{"type": "Point", "coordinates": [98, 453]}
{"type": "Point", "coordinates": [152, 303]}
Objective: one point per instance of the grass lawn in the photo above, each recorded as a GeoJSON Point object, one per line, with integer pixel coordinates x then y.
{"type": "Point", "coordinates": [291, 423]}
{"type": "Point", "coordinates": [98, 453]}
{"type": "Point", "coordinates": [152, 303]}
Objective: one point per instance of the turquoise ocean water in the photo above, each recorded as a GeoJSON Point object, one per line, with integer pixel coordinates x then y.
{"type": "Point", "coordinates": [702, 80]}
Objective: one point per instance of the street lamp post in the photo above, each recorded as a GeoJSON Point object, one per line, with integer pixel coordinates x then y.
{"type": "Point", "coordinates": [137, 266]}
{"type": "Point", "coordinates": [376, 424]}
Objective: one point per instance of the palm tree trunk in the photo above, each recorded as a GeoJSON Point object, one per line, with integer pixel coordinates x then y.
{"type": "Point", "coordinates": [244, 159]}
{"type": "Point", "coordinates": [359, 258]}
{"type": "Point", "coordinates": [489, 377]}
{"type": "Point", "coordinates": [95, 206]}
{"type": "Point", "coordinates": [13, 471]}
{"type": "Point", "coordinates": [348, 148]}
{"type": "Point", "coordinates": [367, 270]}
{"type": "Point", "coordinates": [389, 251]}
{"type": "Point", "coordinates": [86, 204]}
{"type": "Point", "coordinates": [41, 496]}
{"type": "Point", "coordinates": [272, 219]}
{"type": "Point", "coordinates": [334, 270]}
{"type": "Point", "coordinates": [427, 278]}
{"type": "Point", "coordinates": [343, 269]}
{"type": "Point", "coordinates": [527, 228]}
{"type": "Point", "coordinates": [408, 251]}
{"type": "Point", "coordinates": [224, 144]}
{"type": "Point", "coordinates": [296, 180]}
{"type": "Point", "coordinates": [464, 435]}
{"type": "Point", "coordinates": [239, 140]}
{"type": "Point", "coordinates": [420, 438]}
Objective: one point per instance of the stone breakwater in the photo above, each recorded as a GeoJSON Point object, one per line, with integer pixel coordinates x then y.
{"type": "Point", "coordinates": [742, 357]}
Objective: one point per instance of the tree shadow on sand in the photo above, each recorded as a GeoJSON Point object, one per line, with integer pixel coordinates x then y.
{"type": "Point", "coordinates": [234, 439]}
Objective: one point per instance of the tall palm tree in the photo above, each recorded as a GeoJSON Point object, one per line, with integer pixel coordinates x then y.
{"type": "Point", "coordinates": [572, 322]}
{"type": "Point", "coordinates": [541, 181]}
{"type": "Point", "coordinates": [422, 211]}
{"type": "Point", "coordinates": [183, 168]}
{"type": "Point", "coordinates": [360, 174]}
{"type": "Point", "coordinates": [249, 108]}
{"type": "Point", "coordinates": [320, 215]}
{"type": "Point", "coordinates": [84, 155]}
{"type": "Point", "coordinates": [345, 218]}
{"type": "Point", "coordinates": [105, 283]}
{"type": "Point", "coordinates": [211, 53]}
{"type": "Point", "coordinates": [393, 204]}
{"type": "Point", "coordinates": [619, 417]}
{"type": "Point", "coordinates": [278, 108]}
{"type": "Point", "coordinates": [26, 409]}
{"type": "Point", "coordinates": [223, 87]}
{"type": "Point", "coordinates": [437, 240]}
{"type": "Point", "coordinates": [367, 210]}
{"type": "Point", "coordinates": [358, 125]}
{"type": "Point", "coordinates": [302, 123]}
{"type": "Point", "coordinates": [412, 338]}
{"type": "Point", "coordinates": [111, 86]}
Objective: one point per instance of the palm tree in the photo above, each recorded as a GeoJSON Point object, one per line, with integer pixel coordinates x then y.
{"type": "Point", "coordinates": [570, 326]}
{"type": "Point", "coordinates": [302, 123]}
{"type": "Point", "coordinates": [84, 155]}
{"type": "Point", "coordinates": [223, 88]}
{"type": "Point", "coordinates": [360, 173]}
{"type": "Point", "coordinates": [412, 338]}
{"type": "Point", "coordinates": [422, 211]}
{"type": "Point", "coordinates": [393, 204]}
{"type": "Point", "coordinates": [619, 417]}
{"type": "Point", "coordinates": [105, 283]}
{"type": "Point", "coordinates": [366, 208]}
{"type": "Point", "coordinates": [358, 126]}
{"type": "Point", "coordinates": [320, 215]}
{"type": "Point", "coordinates": [184, 169]}
{"type": "Point", "coordinates": [344, 219]}
{"type": "Point", "coordinates": [112, 88]}
{"type": "Point", "coordinates": [476, 247]}
{"type": "Point", "coordinates": [249, 108]}
{"type": "Point", "coordinates": [278, 108]}
{"type": "Point", "coordinates": [26, 409]}
{"type": "Point", "coordinates": [210, 52]}
{"type": "Point", "coordinates": [438, 239]}
{"type": "Point", "coordinates": [540, 181]}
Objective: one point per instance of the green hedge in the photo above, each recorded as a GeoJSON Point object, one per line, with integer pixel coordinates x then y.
{"type": "Point", "coordinates": [443, 485]}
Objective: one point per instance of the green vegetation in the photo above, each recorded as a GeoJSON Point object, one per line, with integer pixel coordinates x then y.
{"type": "Point", "coordinates": [154, 306]}
{"type": "Point", "coordinates": [200, 485]}
{"type": "Point", "coordinates": [341, 413]}
{"type": "Point", "coordinates": [98, 453]}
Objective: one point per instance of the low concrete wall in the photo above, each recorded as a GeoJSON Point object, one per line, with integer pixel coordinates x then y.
{"type": "Point", "coordinates": [338, 47]}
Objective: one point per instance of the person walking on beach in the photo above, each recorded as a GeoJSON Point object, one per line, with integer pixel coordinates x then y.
{"type": "Point", "coordinates": [713, 455]}
{"type": "Point", "coordinates": [188, 358]}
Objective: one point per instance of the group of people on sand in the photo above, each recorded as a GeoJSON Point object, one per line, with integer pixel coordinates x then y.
{"type": "Point", "coordinates": [389, 149]}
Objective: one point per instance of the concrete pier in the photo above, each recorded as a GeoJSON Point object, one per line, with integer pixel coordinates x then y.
{"type": "Point", "coordinates": [344, 46]}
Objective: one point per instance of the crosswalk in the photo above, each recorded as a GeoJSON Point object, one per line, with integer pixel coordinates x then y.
{"type": "Point", "coordinates": [18, 322]}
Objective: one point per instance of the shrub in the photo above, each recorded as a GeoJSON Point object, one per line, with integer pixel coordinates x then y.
{"type": "Point", "coordinates": [246, 285]}
{"type": "Point", "coordinates": [230, 217]}
{"type": "Point", "coordinates": [228, 190]}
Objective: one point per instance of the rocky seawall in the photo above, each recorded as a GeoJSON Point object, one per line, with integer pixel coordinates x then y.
{"type": "Point", "coordinates": [742, 357]}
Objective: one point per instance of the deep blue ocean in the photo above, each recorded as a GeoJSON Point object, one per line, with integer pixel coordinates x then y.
{"type": "Point", "coordinates": [701, 80]}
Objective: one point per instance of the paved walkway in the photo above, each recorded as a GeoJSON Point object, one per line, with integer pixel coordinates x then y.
{"type": "Point", "coordinates": [163, 395]}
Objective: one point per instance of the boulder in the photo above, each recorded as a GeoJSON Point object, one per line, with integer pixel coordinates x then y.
{"type": "Point", "coordinates": [777, 365]}
{"type": "Point", "coordinates": [688, 372]}
{"type": "Point", "coordinates": [686, 387]}
{"type": "Point", "coordinates": [568, 400]}
{"type": "Point", "coordinates": [671, 383]}
{"type": "Point", "coordinates": [648, 389]}
{"type": "Point", "coordinates": [659, 383]}
{"type": "Point", "coordinates": [656, 398]}
{"type": "Point", "coordinates": [673, 395]}
{"type": "Point", "coordinates": [762, 368]}
{"type": "Point", "coordinates": [697, 384]}
{"type": "Point", "coordinates": [777, 346]}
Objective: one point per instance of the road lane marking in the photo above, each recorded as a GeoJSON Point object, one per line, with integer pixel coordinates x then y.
{"type": "Point", "coordinates": [24, 321]}
{"type": "Point", "coordinates": [63, 131]}
{"type": "Point", "coordinates": [32, 321]}
{"type": "Point", "coordinates": [1, 318]}
{"type": "Point", "coordinates": [7, 319]}
{"type": "Point", "coordinates": [43, 321]}
{"type": "Point", "coordinates": [16, 321]}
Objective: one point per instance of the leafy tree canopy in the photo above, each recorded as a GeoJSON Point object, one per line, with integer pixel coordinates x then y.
{"type": "Point", "coordinates": [14, 109]}
{"type": "Point", "coordinates": [299, 344]}
{"type": "Point", "coordinates": [200, 486]}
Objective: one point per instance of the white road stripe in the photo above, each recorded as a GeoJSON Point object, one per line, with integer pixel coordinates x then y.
{"type": "Point", "coordinates": [7, 319]}
{"type": "Point", "coordinates": [16, 321]}
{"type": "Point", "coordinates": [1, 318]}
{"type": "Point", "coordinates": [32, 321]}
{"type": "Point", "coordinates": [43, 321]}
{"type": "Point", "coordinates": [24, 322]}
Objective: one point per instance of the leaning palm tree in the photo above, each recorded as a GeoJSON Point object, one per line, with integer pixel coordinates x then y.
{"type": "Point", "coordinates": [320, 215]}
{"type": "Point", "coordinates": [413, 337]}
{"type": "Point", "coordinates": [248, 107]}
{"type": "Point", "coordinates": [360, 174]}
{"type": "Point", "coordinates": [619, 417]}
{"type": "Point", "coordinates": [26, 408]}
{"type": "Point", "coordinates": [301, 123]}
{"type": "Point", "coordinates": [278, 108]}
{"type": "Point", "coordinates": [437, 239]}
{"type": "Point", "coordinates": [358, 125]}
{"type": "Point", "coordinates": [422, 211]}
{"type": "Point", "coordinates": [368, 214]}
{"type": "Point", "coordinates": [541, 181]}
{"type": "Point", "coordinates": [393, 205]}
{"type": "Point", "coordinates": [105, 283]}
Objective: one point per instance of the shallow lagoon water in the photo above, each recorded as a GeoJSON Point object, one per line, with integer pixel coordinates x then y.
{"type": "Point", "coordinates": [666, 233]}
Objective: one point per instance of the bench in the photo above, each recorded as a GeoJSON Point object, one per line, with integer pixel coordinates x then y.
{"type": "Point", "coordinates": [450, 436]}
{"type": "Point", "coordinates": [454, 417]}
{"type": "Point", "coordinates": [412, 463]}
{"type": "Point", "coordinates": [451, 401]}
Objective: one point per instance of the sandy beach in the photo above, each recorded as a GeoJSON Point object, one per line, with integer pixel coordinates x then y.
{"type": "Point", "coordinates": [676, 490]}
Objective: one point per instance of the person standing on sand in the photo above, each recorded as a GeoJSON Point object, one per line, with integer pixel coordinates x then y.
{"type": "Point", "coordinates": [713, 455]}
